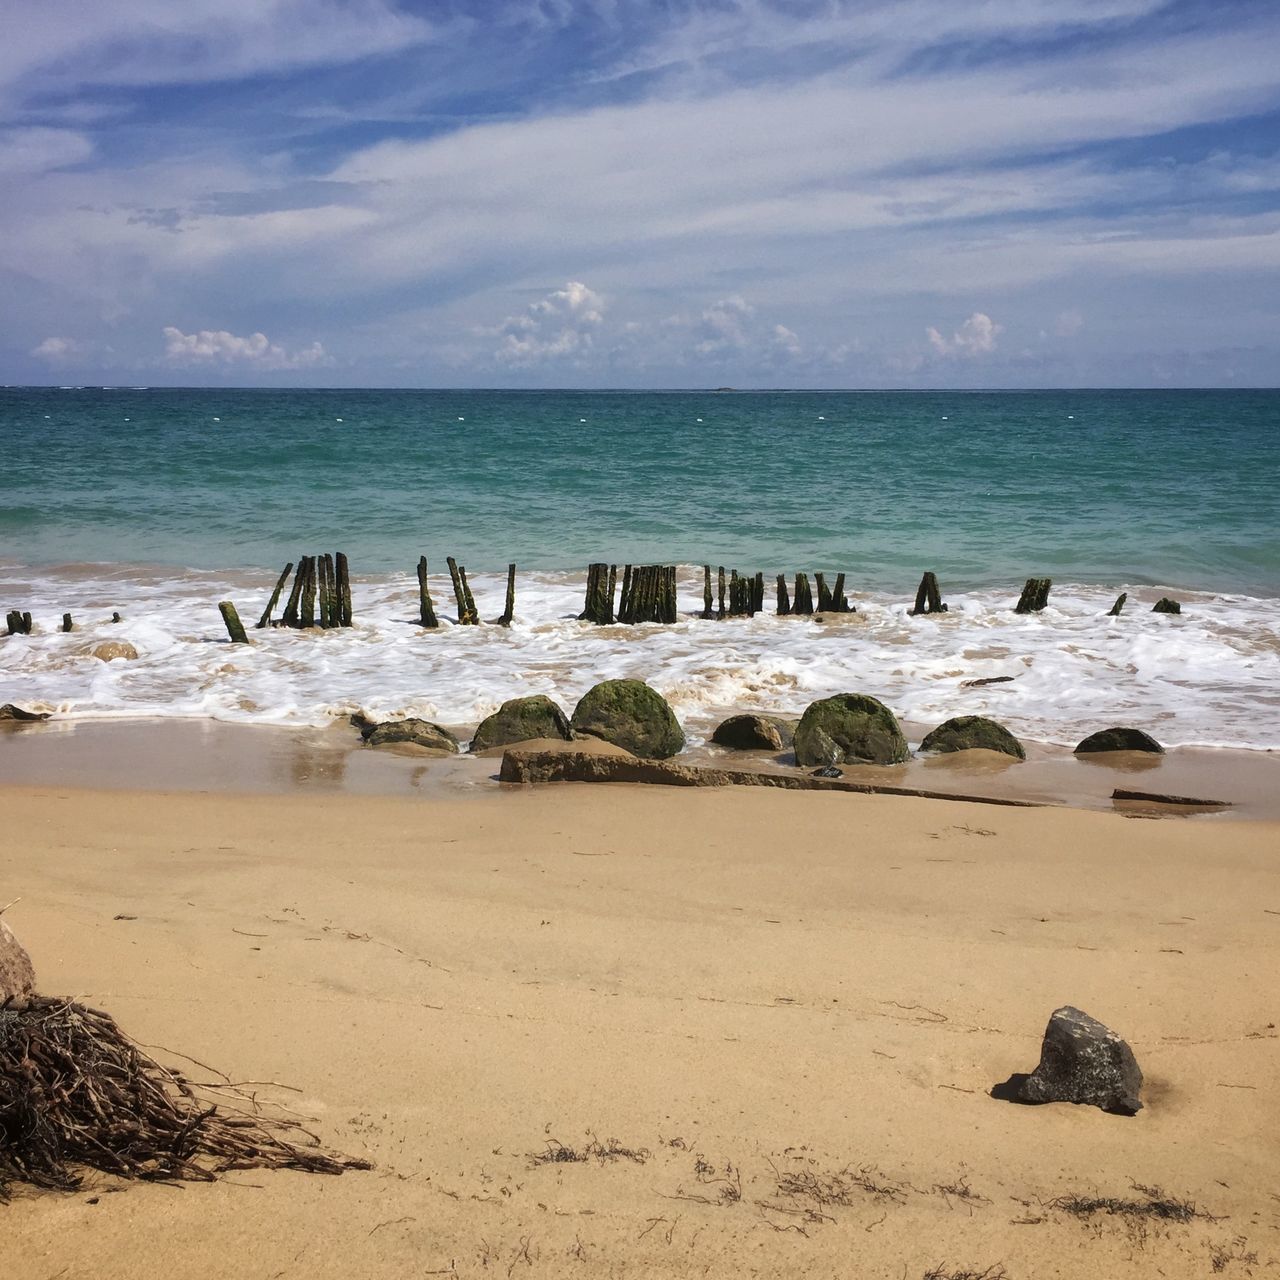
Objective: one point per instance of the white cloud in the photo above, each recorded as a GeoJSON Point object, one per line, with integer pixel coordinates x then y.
{"type": "Point", "coordinates": [977, 336]}
{"type": "Point", "coordinates": [723, 326]}
{"type": "Point", "coordinates": [217, 346]}
{"type": "Point", "coordinates": [37, 150]}
{"type": "Point", "coordinates": [560, 325]}
{"type": "Point", "coordinates": [56, 350]}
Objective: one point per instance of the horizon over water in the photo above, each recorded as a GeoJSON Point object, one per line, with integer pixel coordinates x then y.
{"type": "Point", "coordinates": [159, 502]}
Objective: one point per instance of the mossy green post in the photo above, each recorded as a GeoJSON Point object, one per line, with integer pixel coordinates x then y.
{"type": "Point", "coordinates": [343, 569]}
{"type": "Point", "coordinates": [630, 714]}
{"type": "Point", "coordinates": [1114, 611]}
{"type": "Point", "coordinates": [67, 624]}
{"type": "Point", "coordinates": [426, 610]}
{"type": "Point", "coordinates": [928, 597]}
{"type": "Point", "coordinates": [265, 620]}
{"type": "Point", "coordinates": [235, 629]}
{"type": "Point", "coordinates": [708, 600]}
{"type": "Point", "coordinates": [964, 733]}
{"type": "Point", "coordinates": [784, 600]}
{"type": "Point", "coordinates": [289, 618]}
{"type": "Point", "coordinates": [803, 599]}
{"type": "Point", "coordinates": [307, 610]}
{"type": "Point", "coordinates": [509, 611]}
{"type": "Point", "coordinates": [847, 729]}
{"type": "Point", "coordinates": [1035, 595]}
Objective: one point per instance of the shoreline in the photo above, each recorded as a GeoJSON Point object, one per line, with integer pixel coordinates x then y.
{"type": "Point", "coordinates": [173, 755]}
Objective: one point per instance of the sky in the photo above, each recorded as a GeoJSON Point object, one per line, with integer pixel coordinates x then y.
{"type": "Point", "coordinates": [640, 193]}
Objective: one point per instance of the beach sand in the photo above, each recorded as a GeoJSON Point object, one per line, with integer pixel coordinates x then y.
{"type": "Point", "coordinates": [790, 1007]}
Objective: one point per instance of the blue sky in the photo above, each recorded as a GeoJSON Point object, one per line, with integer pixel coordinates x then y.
{"type": "Point", "coordinates": [616, 193]}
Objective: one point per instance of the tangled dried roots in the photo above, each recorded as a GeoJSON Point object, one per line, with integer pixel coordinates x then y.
{"type": "Point", "coordinates": [76, 1094]}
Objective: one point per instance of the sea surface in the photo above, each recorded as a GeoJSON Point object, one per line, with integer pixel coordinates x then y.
{"type": "Point", "coordinates": [158, 503]}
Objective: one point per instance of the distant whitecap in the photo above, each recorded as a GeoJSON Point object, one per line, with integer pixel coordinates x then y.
{"type": "Point", "coordinates": [697, 419]}
{"type": "Point", "coordinates": [462, 419]}
{"type": "Point", "coordinates": [582, 419]}
{"type": "Point", "coordinates": [337, 419]}
{"type": "Point", "coordinates": [821, 418]}
{"type": "Point", "coordinates": [217, 419]}
{"type": "Point", "coordinates": [944, 417]}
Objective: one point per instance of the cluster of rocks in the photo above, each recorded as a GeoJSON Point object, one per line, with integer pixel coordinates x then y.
{"type": "Point", "coordinates": [849, 728]}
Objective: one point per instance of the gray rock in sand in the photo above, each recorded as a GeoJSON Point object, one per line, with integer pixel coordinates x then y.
{"type": "Point", "coordinates": [10, 712]}
{"type": "Point", "coordinates": [850, 728]}
{"type": "Point", "coordinates": [17, 977]}
{"type": "Point", "coordinates": [1081, 1060]}
{"type": "Point", "coordinates": [421, 734]}
{"type": "Point", "coordinates": [520, 720]}
{"type": "Point", "coordinates": [1119, 739]}
{"type": "Point", "coordinates": [754, 733]}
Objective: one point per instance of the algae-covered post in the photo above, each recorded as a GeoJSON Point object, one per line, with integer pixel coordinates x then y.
{"type": "Point", "coordinates": [825, 603]}
{"type": "Point", "coordinates": [331, 583]}
{"type": "Point", "coordinates": [467, 616]}
{"type": "Point", "coordinates": [324, 595]}
{"type": "Point", "coordinates": [235, 629]}
{"type": "Point", "coordinates": [1163, 605]}
{"type": "Point", "coordinates": [624, 600]}
{"type": "Point", "coordinates": [426, 610]}
{"type": "Point", "coordinates": [613, 586]}
{"type": "Point", "coordinates": [784, 600]}
{"type": "Point", "coordinates": [265, 620]}
{"type": "Point", "coordinates": [307, 613]}
{"type": "Point", "coordinates": [13, 620]}
{"type": "Point", "coordinates": [289, 618]}
{"type": "Point", "coordinates": [67, 624]}
{"type": "Point", "coordinates": [598, 607]}
{"type": "Point", "coordinates": [343, 569]}
{"type": "Point", "coordinates": [720, 583]}
{"type": "Point", "coordinates": [928, 597]}
{"type": "Point", "coordinates": [707, 598]}
{"type": "Point", "coordinates": [839, 601]}
{"type": "Point", "coordinates": [1035, 595]}
{"type": "Point", "coordinates": [509, 612]}
{"type": "Point", "coordinates": [803, 602]}
{"type": "Point", "coordinates": [1114, 611]}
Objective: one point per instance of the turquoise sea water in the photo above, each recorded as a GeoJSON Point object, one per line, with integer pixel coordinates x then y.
{"type": "Point", "coordinates": [1173, 488]}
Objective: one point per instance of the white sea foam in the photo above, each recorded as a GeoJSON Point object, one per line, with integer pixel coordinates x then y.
{"type": "Point", "coordinates": [1209, 677]}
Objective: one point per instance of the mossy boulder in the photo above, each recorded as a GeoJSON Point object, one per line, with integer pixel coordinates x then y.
{"type": "Point", "coordinates": [110, 650]}
{"type": "Point", "coordinates": [850, 728]}
{"type": "Point", "coordinates": [519, 720]}
{"type": "Point", "coordinates": [421, 735]}
{"type": "Point", "coordinates": [754, 733]}
{"type": "Point", "coordinates": [963, 733]}
{"type": "Point", "coordinates": [1119, 739]}
{"type": "Point", "coordinates": [630, 714]}
{"type": "Point", "coordinates": [21, 716]}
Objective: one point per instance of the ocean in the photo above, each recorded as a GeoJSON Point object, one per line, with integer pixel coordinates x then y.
{"type": "Point", "coordinates": [158, 503]}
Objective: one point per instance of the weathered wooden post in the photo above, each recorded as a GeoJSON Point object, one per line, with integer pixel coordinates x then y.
{"type": "Point", "coordinates": [325, 592]}
{"type": "Point", "coordinates": [825, 604]}
{"type": "Point", "coordinates": [784, 600]}
{"type": "Point", "coordinates": [757, 594]}
{"type": "Point", "coordinates": [1114, 611]}
{"type": "Point", "coordinates": [307, 613]}
{"type": "Point", "coordinates": [67, 624]}
{"type": "Point", "coordinates": [624, 600]}
{"type": "Point", "coordinates": [13, 621]}
{"type": "Point", "coordinates": [1035, 595]}
{"type": "Point", "coordinates": [426, 610]}
{"type": "Point", "coordinates": [838, 598]}
{"type": "Point", "coordinates": [467, 615]}
{"type": "Point", "coordinates": [928, 597]}
{"type": "Point", "coordinates": [720, 586]}
{"type": "Point", "coordinates": [289, 618]}
{"type": "Point", "coordinates": [598, 607]}
{"type": "Point", "coordinates": [803, 602]}
{"type": "Point", "coordinates": [613, 586]}
{"type": "Point", "coordinates": [231, 618]}
{"type": "Point", "coordinates": [707, 598]}
{"type": "Point", "coordinates": [265, 620]}
{"type": "Point", "coordinates": [510, 611]}
{"type": "Point", "coordinates": [343, 570]}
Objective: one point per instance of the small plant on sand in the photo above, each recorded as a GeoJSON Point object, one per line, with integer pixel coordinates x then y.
{"type": "Point", "coordinates": [605, 1152]}
{"type": "Point", "coordinates": [1154, 1204]}
{"type": "Point", "coordinates": [940, 1272]}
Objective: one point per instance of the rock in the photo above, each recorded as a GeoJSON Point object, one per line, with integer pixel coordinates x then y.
{"type": "Point", "coordinates": [963, 733]}
{"type": "Point", "coordinates": [850, 728]}
{"type": "Point", "coordinates": [559, 746]}
{"type": "Point", "coordinates": [630, 714]}
{"type": "Point", "coordinates": [1119, 739]}
{"type": "Point", "coordinates": [109, 650]}
{"type": "Point", "coordinates": [519, 720]}
{"type": "Point", "coordinates": [17, 977]}
{"type": "Point", "coordinates": [420, 735]}
{"type": "Point", "coordinates": [754, 733]}
{"type": "Point", "coordinates": [1083, 1061]}
{"type": "Point", "coordinates": [1165, 605]}
{"type": "Point", "coordinates": [828, 771]}
{"type": "Point", "coordinates": [10, 712]}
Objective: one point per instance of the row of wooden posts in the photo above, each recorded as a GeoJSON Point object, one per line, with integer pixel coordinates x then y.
{"type": "Point", "coordinates": [321, 597]}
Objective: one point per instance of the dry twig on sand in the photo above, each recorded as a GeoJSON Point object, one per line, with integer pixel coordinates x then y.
{"type": "Point", "coordinates": [76, 1094]}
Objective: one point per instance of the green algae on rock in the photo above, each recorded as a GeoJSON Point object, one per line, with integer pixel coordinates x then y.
{"type": "Point", "coordinates": [1119, 739]}
{"type": "Point", "coordinates": [519, 720]}
{"type": "Point", "coordinates": [630, 714]}
{"type": "Point", "coordinates": [849, 728]}
{"type": "Point", "coordinates": [962, 733]}
{"type": "Point", "coordinates": [412, 733]}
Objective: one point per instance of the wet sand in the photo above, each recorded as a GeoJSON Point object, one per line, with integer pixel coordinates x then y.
{"type": "Point", "coordinates": [789, 1007]}
{"type": "Point", "coordinates": [207, 755]}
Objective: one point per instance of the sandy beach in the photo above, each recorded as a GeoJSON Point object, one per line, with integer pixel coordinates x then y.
{"type": "Point", "coordinates": [768, 1021]}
